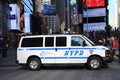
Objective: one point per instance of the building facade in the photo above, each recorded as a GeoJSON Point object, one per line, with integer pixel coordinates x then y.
{"type": "Point", "coordinates": [52, 20]}
{"type": "Point", "coordinates": [116, 23]}
{"type": "Point", "coordinates": [60, 11]}
{"type": "Point", "coordinates": [119, 12]}
{"type": "Point", "coordinates": [53, 23]}
{"type": "Point", "coordinates": [4, 18]}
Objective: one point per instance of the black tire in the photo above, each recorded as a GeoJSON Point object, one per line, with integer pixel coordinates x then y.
{"type": "Point", "coordinates": [94, 63]}
{"type": "Point", "coordinates": [34, 64]}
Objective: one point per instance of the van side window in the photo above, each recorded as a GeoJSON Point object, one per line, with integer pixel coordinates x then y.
{"type": "Point", "coordinates": [49, 41]}
{"type": "Point", "coordinates": [32, 42]}
{"type": "Point", "coordinates": [61, 41]}
{"type": "Point", "coordinates": [77, 41]}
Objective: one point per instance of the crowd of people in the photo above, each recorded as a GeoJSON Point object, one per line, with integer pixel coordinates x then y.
{"type": "Point", "coordinates": [102, 38]}
{"type": "Point", "coordinates": [95, 36]}
{"type": "Point", "coordinates": [4, 48]}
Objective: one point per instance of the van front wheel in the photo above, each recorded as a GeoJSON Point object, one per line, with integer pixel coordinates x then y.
{"type": "Point", "coordinates": [94, 63]}
{"type": "Point", "coordinates": [34, 64]}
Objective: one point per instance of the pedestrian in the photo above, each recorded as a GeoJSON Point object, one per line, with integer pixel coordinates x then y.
{"type": "Point", "coordinates": [4, 47]}
{"type": "Point", "coordinates": [114, 46]}
{"type": "Point", "coordinates": [119, 50]}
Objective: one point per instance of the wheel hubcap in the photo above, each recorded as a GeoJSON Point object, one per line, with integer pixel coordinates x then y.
{"type": "Point", "coordinates": [33, 64]}
{"type": "Point", "coordinates": [94, 63]}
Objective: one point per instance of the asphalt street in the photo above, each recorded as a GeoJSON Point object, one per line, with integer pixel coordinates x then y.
{"type": "Point", "coordinates": [9, 70]}
{"type": "Point", "coordinates": [60, 73]}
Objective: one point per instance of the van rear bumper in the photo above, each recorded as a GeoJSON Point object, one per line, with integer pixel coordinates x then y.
{"type": "Point", "coordinates": [17, 62]}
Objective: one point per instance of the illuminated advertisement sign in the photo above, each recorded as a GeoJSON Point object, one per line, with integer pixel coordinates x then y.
{"type": "Point", "coordinates": [15, 17]}
{"type": "Point", "coordinates": [49, 9]}
{"type": "Point", "coordinates": [93, 3]}
{"type": "Point", "coordinates": [74, 12]}
{"type": "Point", "coordinates": [94, 26]}
{"type": "Point", "coordinates": [27, 23]}
{"type": "Point", "coordinates": [97, 12]}
{"type": "Point", "coordinates": [20, 6]}
{"type": "Point", "coordinates": [72, 2]}
{"type": "Point", "coordinates": [28, 6]}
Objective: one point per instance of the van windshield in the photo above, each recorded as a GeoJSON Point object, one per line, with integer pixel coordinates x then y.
{"type": "Point", "coordinates": [91, 42]}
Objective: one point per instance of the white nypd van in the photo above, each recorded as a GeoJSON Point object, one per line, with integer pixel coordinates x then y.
{"type": "Point", "coordinates": [34, 51]}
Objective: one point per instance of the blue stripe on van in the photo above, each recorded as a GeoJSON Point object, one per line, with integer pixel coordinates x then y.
{"type": "Point", "coordinates": [63, 57]}
{"type": "Point", "coordinates": [20, 49]}
{"type": "Point", "coordinates": [41, 49]}
{"type": "Point", "coordinates": [89, 48]}
{"type": "Point", "coordinates": [63, 48]}
{"type": "Point", "coordinates": [78, 57]}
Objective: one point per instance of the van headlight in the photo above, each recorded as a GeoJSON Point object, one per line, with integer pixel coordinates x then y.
{"type": "Point", "coordinates": [108, 53]}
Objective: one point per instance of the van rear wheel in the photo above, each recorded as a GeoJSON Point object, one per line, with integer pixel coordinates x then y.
{"type": "Point", "coordinates": [34, 64]}
{"type": "Point", "coordinates": [94, 63]}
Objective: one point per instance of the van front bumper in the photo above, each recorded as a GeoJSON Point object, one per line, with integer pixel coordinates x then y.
{"type": "Point", "coordinates": [108, 59]}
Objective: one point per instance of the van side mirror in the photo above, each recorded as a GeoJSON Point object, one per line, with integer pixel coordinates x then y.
{"type": "Point", "coordinates": [100, 42]}
{"type": "Point", "coordinates": [84, 43]}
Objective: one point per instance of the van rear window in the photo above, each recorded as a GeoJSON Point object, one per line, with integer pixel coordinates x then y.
{"type": "Point", "coordinates": [32, 42]}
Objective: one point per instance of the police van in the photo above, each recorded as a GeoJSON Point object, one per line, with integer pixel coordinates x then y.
{"type": "Point", "coordinates": [35, 51]}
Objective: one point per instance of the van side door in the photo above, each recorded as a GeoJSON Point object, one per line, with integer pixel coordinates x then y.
{"type": "Point", "coordinates": [49, 50]}
{"type": "Point", "coordinates": [60, 49]}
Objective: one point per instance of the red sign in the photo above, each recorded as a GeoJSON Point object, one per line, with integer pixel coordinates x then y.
{"type": "Point", "coordinates": [93, 3]}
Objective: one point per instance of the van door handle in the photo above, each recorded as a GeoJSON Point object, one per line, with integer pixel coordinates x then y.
{"type": "Point", "coordinates": [56, 49]}
{"type": "Point", "coordinates": [69, 48]}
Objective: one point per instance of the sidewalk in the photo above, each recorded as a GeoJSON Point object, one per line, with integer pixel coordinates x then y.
{"type": "Point", "coordinates": [11, 57]}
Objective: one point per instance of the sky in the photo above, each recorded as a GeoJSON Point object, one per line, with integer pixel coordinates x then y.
{"type": "Point", "coordinates": [111, 8]}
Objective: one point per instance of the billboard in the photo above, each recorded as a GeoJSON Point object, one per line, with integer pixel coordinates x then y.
{"type": "Point", "coordinates": [27, 23]}
{"type": "Point", "coordinates": [93, 3]}
{"type": "Point", "coordinates": [96, 12]}
{"type": "Point", "coordinates": [28, 6]}
{"type": "Point", "coordinates": [49, 9]}
{"type": "Point", "coordinates": [74, 12]}
{"type": "Point", "coordinates": [94, 26]}
{"type": "Point", "coordinates": [14, 17]}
